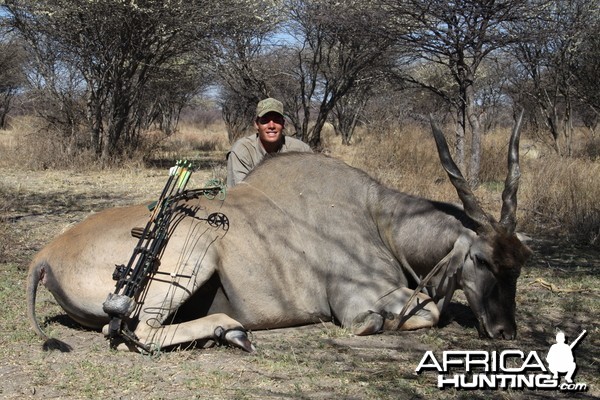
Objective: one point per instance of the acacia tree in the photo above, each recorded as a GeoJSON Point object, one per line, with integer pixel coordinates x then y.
{"type": "Point", "coordinates": [121, 52]}
{"type": "Point", "coordinates": [586, 68]}
{"type": "Point", "coordinates": [12, 78]}
{"type": "Point", "coordinates": [554, 65]}
{"type": "Point", "coordinates": [243, 71]}
{"type": "Point", "coordinates": [586, 71]}
{"type": "Point", "coordinates": [349, 111]}
{"type": "Point", "coordinates": [458, 35]}
{"type": "Point", "coordinates": [335, 46]}
{"type": "Point", "coordinates": [324, 51]}
{"type": "Point", "coordinates": [242, 64]}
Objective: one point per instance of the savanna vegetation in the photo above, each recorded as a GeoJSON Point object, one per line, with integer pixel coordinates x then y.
{"type": "Point", "coordinates": [98, 98]}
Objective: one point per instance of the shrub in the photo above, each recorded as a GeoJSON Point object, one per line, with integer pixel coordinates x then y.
{"type": "Point", "coordinates": [34, 146]}
{"type": "Point", "coordinates": [561, 196]}
{"type": "Point", "coordinates": [6, 237]}
{"type": "Point", "coordinates": [407, 160]}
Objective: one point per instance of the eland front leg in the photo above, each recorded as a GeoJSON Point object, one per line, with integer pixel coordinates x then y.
{"type": "Point", "coordinates": [391, 312]}
{"type": "Point", "coordinates": [219, 328]}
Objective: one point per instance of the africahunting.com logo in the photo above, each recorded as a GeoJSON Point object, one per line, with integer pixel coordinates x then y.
{"type": "Point", "coordinates": [506, 369]}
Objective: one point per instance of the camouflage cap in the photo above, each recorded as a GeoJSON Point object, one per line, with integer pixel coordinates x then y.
{"type": "Point", "coordinates": [269, 105]}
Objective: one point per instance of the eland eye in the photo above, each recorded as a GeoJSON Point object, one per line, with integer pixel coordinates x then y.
{"type": "Point", "coordinates": [483, 262]}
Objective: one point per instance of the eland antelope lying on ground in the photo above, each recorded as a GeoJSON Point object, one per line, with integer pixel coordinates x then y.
{"type": "Point", "coordinates": [308, 239]}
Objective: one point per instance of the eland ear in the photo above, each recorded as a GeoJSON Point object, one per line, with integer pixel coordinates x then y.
{"type": "Point", "coordinates": [523, 237]}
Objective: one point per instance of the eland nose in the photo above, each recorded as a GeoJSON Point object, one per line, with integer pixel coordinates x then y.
{"type": "Point", "coordinates": [503, 333]}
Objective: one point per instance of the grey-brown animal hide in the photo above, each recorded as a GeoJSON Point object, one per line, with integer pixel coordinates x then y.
{"type": "Point", "coordinates": [309, 239]}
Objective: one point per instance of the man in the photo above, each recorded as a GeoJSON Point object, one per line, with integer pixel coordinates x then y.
{"type": "Point", "coordinates": [247, 152]}
{"type": "Point", "coordinates": [560, 357]}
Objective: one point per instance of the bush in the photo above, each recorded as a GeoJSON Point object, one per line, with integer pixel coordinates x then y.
{"type": "Point", "coordinates": [592, 148]}
{"type": "Point", "coordinates": [494, 158]}
{"type": "Point", "coordinates": [561, 196]}
{"type": "Point", "coordinates": [34, 146]}
{"type": "Point", "coordinates": [407, 160]}
{"type": "Point", "coordinates": [6, 237]}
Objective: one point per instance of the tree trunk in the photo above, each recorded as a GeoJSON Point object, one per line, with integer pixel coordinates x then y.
{"type": "Point", "coordinates": [568, 127]}
{"type": "Point", "coordinates": [460, 140]}
{"type": "Point", "coordinates": [475, 163]}
{"type": "Point", "coordinates": [475, 128]}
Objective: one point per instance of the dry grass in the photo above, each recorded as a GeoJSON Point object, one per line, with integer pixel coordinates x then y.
{"type": "Point", "coordinates": [406, 160]}
{"type": "Point", "coordinates": [561, 197]}
{"type": "Point", "coordinates": [32, 145]}
{"type": "Point", "coordinates": [6, 237]}
{"type": "Point", "coordinates": [188, 140]}
{"type": "Point", "coordinates": [558, 195]}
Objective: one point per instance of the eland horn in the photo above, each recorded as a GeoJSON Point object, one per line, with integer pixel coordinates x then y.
{"type": "Point", "coordinates": [465, 194]}
{"type": "Point", "coordinates": [508, 215]}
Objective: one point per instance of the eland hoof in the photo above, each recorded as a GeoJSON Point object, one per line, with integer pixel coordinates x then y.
{"type": "Point", "coordinates": [367, 323]}
{"type": "Point", "coordinates": [237, 337]}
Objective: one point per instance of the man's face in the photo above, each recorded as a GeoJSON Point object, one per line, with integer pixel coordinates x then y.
{"type": "Point", "coordinates": [270, 128]}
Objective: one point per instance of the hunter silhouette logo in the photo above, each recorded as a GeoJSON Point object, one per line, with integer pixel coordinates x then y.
{"type": "Point", "coordinates": [560, 357]}
{"type": "Point", "coordinates": [506, 369]}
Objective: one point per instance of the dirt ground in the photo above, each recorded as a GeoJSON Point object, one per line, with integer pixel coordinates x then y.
{"type": "Point", "coordinates": [557, 289]}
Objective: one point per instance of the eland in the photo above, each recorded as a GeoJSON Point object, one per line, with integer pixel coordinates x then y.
{"type": "Point", "coordinates": [304, 238]}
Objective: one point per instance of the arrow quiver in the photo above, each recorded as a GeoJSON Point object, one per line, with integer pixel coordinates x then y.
{"type": "Point", "coordinates": [132, 278]}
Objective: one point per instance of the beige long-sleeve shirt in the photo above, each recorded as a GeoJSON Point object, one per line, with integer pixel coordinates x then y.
{"type": "Point", "coordinates": [248, 152]}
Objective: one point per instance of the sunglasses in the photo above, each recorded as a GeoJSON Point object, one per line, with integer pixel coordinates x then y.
{"type": "Point", "coordinates": [265, 119]}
